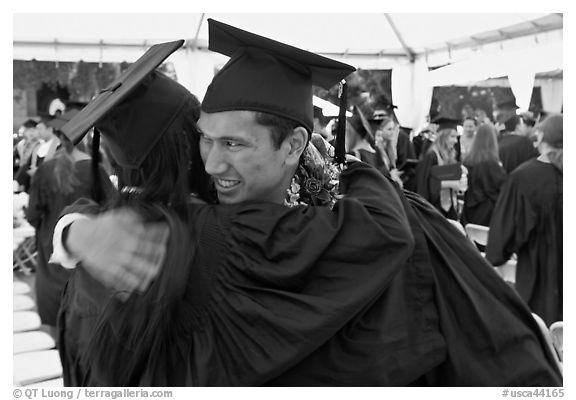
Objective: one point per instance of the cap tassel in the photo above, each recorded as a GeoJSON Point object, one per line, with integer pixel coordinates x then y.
{"type": "Point", "coordinates": [96, 183]}
{"type": "Point", "coordinates": [340, 147]}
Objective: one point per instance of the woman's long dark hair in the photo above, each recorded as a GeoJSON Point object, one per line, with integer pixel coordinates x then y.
{"type": "Point", "coordinates": [137, 335]}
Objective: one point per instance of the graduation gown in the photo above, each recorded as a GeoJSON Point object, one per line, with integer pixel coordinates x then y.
{"type": "Point", "coordinates": [491, 337]}
{"type": "Point", "coordinates": [44, 206]}
{"type": "Point", "coordinates": [430, 188]}
{"type": "Point", "coordinates": [528, 221]}
{"type": "Point", "coordinates": [261, 288]}
{"type": "Point", "coordinates": [513, 150]}
{"type": "Point", "coordinates": [484, 182]}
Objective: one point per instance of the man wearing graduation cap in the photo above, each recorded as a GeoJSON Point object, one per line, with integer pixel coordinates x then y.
{"type": "Point", "coordinates": [395, 339]}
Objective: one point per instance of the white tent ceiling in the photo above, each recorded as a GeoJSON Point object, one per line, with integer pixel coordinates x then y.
{"type": "Point", "coordinates": [375, 40]}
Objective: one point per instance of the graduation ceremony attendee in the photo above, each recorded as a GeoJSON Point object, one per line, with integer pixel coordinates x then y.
{"type": "Point", "coordinates": [23, 152]}
{"type": "Point", "coordinates": [406, 161]}
{"type": "Point", "coordinates": [440, 191]}
{"type": "Point", "coordinates": [528, 221]}
{"type": "Point", "coordinates": [386, 141]}
{"type": "Point", "coordinates": [485, 177]}
{"type": "Point", "coordinates": [360, 142]}
{"type": "Point", "coordinates": [514, 146]}
{"type": "Point", "coordinates": [235, 305]}
{"type": "Point", "coordinates": [469, 127]}
{"type": "Point", "coordinates": [314, 305]}
{"type": "Point", "coordinates": [57, 183]}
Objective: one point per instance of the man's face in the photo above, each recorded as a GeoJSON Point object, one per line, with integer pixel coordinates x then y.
{"type": "Point", "coordinates": [386, 132]}
{"type": "Point", "coordinates": [469, 127]}
{"type": "Point", "coordinates": [44, 132]}
{"type": "Point", "coordinates": [240, 156]}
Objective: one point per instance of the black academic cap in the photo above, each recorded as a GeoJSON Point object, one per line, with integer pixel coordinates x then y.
{"type": "Point", "coordinates": [445, 122]}
{"type": "Point", "coordinates": [508, 105]}
{"type": "Point", "coordinates": [58, 122]}
{"type": "Point", "coordinates": [264, 75]}
{"type": "Point", "coordinates": [135, 110]}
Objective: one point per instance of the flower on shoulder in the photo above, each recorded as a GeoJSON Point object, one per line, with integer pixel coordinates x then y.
{"type": "Point", "coordinates": [316, 182]}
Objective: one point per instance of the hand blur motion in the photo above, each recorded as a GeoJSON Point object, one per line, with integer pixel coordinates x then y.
{"type": "Point", "coordinates": [119, 250]}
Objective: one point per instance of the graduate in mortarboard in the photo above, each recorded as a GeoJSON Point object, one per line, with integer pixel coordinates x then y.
{"type": "Point", "coordinates": [250, 288]}
{"type": "Point", "coordinates": [441, 191]}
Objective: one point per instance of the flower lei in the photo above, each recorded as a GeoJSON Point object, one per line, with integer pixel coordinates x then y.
{"type": "Point", "coordinates": [316, 181]}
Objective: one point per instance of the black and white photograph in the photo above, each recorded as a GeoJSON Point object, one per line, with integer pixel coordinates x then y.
{"type": "Point", "coordinates": [302, 199]}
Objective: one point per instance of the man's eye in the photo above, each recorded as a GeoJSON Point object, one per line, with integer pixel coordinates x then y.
{"type": "Point", "coordinates": [232, 144]}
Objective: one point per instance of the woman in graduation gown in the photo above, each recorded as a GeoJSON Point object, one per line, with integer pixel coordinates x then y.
{"type": "Point", "coordinates": [528, 221]}
{"type": "Point", "coordinates": [440, 193]}
{"type": "Point", "coordinates": [485, 177]}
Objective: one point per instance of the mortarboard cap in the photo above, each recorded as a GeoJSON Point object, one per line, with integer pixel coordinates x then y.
{"type": "Point", "coordinates": [135, 110]}
{"type": "Point", "coordinates": [264, 75]}
{"type": "Point", "coordinates": [58, 122]}
{"type": "Point", "coordinates": [444, 122]}
{"type": "Point", "coordinates": [508, 105]}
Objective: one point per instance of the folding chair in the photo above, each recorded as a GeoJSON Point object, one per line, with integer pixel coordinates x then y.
{"type": "Point", "coordinates": [20, 287]}
{"type": "Point", "coordinates": [37, 366]}
{"type": "Point", "coordinates": [32, 341]}
{"type": "Point", "coordinates": [22, 302]}
{"type": "Point", "coordinates": [24, 257]}
{"type": "Point", "coordinates": [548, 338]}
{"type": "Point", "coordinates": [25, 321]}
{"type": "Point", "coordinates": [557, 335]}
{"type": "Point", "coordinates": [477, 233]}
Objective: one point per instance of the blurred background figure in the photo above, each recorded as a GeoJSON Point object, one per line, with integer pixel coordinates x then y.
{"type": "Point", "coordinates": [23, 150]}
{"type": "Point", "coordinates": [469, 127]}
{"type": "Point", "coordinates": [485, 177]}
{"type": "Point", "coordinates": [514, 145]}
{"type": "Point", "coordinates": [443, 194]}
{"type": "Point", "coordinates": [56, 184]}
{"type": "Point", "coordinates": [528, 221]}
{"type": "Point", "coordinates": [360, 143]}
{"type": "Point", "coordinates": [386, 141]}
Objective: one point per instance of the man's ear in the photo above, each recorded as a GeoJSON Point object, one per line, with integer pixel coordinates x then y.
{"type": "Point", "coordinates": [296, 144]}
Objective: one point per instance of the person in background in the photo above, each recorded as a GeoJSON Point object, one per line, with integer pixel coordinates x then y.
{"type": "Point", "coordinates": [528, 221]}
{"type": "Point", "coordinates": [23, 151]}
{"type": "Point", "coordinates": [485, 177]}
{"type": "Point", "coordinates": [514, 146]}
{"type": "Point", "coordinates": [441, 193]}
{"type": "Point", "coordinates": [360, 143]}
{"type": "Point", "coordinates": [57, 183]}
{"type": "Point", "coordinates": [406, 161]}
{"type": "Point", "coordinates": [469, 127]}
{"type": "Point", "coordinates": [423, 140]}
{"type": "Point", "coordinates": [320, 123]}
{"type": "Point", "coordinates": [386, 141]}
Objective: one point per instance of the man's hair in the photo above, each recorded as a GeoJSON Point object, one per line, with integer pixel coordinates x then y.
{"type": "Point", "coordinates": [511, 123]}
{"type": "Point", "coordinates": [280, 127]}
{"type": "Point", "coordinates": [29, 123]}
{"type": "Point", "coordinates": [473, 119]}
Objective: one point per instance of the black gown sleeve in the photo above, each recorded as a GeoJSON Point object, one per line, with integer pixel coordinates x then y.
{"type": "Point", "coordinates": [512, 222]}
